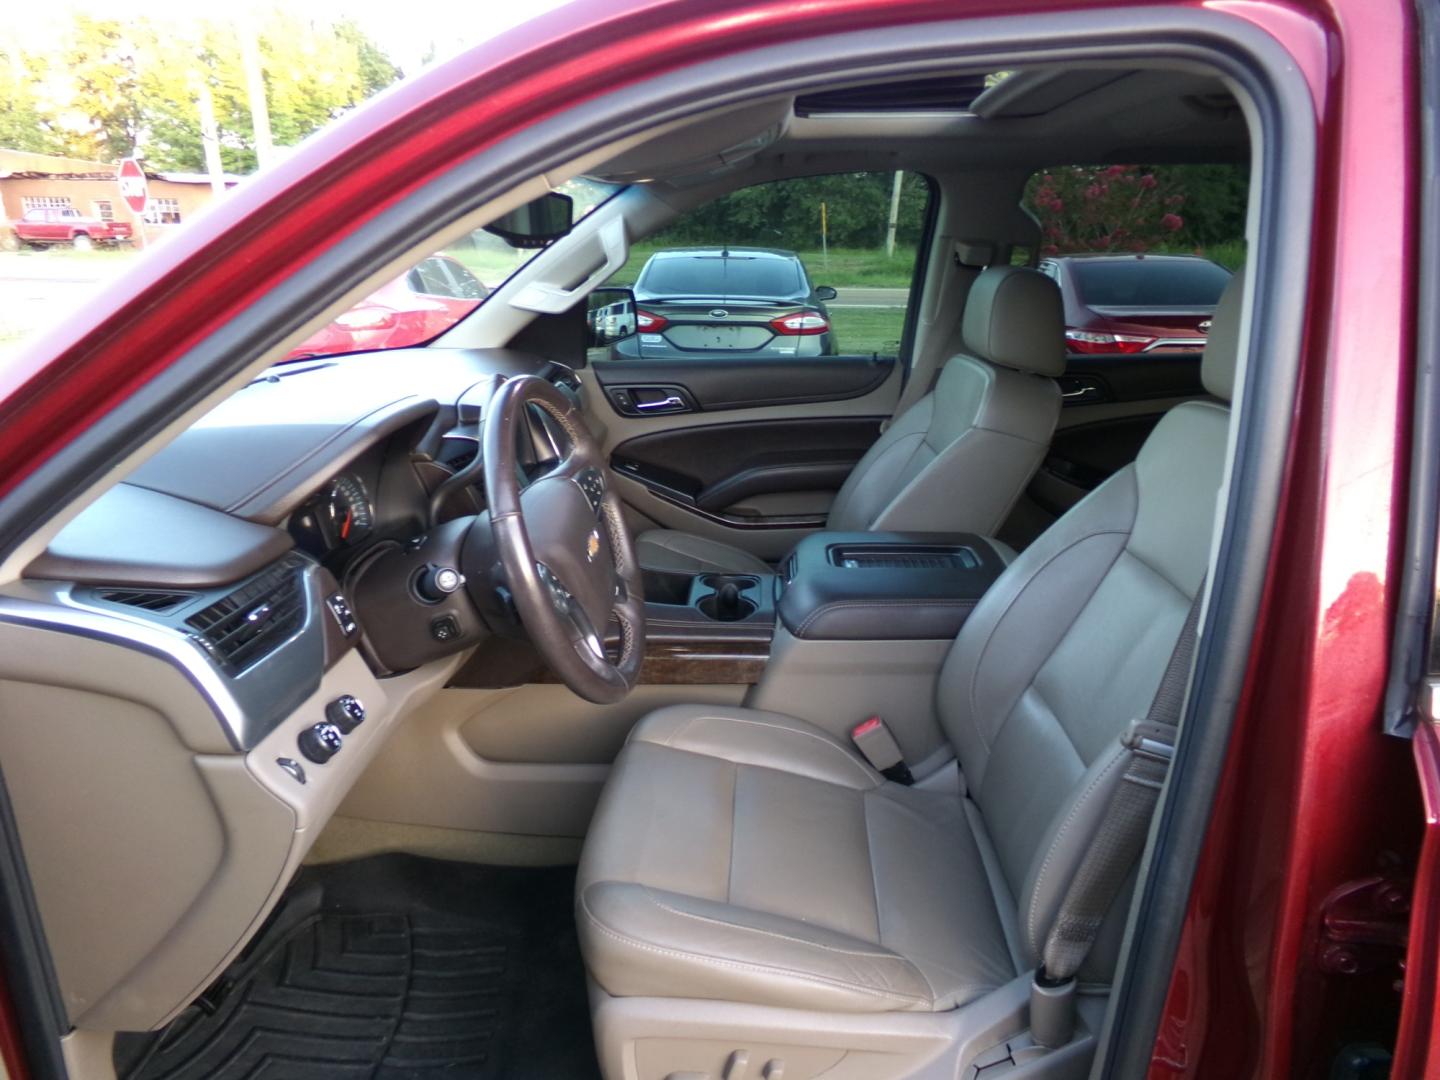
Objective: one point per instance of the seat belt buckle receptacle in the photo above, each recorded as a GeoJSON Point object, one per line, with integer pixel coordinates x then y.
{"type": "Point", "coordinates": [878, 746]}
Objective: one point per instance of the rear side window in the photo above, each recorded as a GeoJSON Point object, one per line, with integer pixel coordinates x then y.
{"type": "Point", "coordinates": [1149, 283]}
{"type": "Point", "coordinates": [722, 276]}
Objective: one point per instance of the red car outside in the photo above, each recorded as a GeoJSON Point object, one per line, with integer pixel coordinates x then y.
{"type": "Point", "coordinates": [66, 225]}
{"type": "Point", "coordinates": [1309, 800]}
{"type": "Point", "coordinates": [1137, 303]}
{"type": "Point", "coordinates": [422, 303]}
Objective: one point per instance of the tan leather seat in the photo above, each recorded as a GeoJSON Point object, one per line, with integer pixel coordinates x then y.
{"type": "Point", "coordinates": [752, 859]}
{"type": "Point", "coordinates": [957, 459]}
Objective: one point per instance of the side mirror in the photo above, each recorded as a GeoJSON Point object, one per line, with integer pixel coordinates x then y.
{"type": "Point", "coordinates": [609, 316]}
{"type": "Point", "coordinates": [537, 223]}
{"type": "Point", "coordinates": [825, 292]}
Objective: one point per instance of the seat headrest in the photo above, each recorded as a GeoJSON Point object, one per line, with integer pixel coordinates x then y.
{"type": "Point", "coordinates": [1222, 349]}
{"type": "Point", "coordinates": [1014, 317]}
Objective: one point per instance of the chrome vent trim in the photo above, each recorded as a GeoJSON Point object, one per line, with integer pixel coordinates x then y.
{"type": "Point", "coordinates": [243, 628]}
{"type": "Point", "coordinates": [157, 600]}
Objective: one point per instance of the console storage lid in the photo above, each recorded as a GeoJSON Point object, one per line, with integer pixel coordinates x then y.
{"type": "Point", "coordinates": [876, 586]}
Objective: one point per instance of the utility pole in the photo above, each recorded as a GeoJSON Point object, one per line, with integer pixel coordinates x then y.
{"type": "Point", "coordinates": [210, 135]}
{"type": "Point", "coordinates": [255, 90]}
{"type": "Point", "coordinates": [894, 221]}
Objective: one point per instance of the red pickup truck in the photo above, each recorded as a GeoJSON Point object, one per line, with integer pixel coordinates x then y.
{"type": "Point", "coordinates": [66, 225]}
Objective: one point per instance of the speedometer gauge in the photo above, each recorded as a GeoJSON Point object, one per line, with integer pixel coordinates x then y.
{"type": "Point", "coordinates": [346, 515]}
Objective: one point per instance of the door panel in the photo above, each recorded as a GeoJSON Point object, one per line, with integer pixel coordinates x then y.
{"type": "Point", "coordinates": [716, 469]}
{"type": "Point", "coordinates": [720, 383]}
{"type": "Point", "coordinates": [768, 471]}
{"type": "Point", "coordinates": [1111, 404]}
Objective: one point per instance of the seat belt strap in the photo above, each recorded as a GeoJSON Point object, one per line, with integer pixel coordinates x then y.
{"type": "Point", "coordinates": [1120, 838]}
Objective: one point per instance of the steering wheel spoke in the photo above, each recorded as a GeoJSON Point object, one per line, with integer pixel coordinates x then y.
{"type": "Point", "coordinates": [566, 553]}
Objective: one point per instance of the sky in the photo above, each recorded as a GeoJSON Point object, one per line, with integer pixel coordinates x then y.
{"type": "Point", "coordinates": [451, 27]}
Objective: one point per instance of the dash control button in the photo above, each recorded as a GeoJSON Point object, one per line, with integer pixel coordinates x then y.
{"type": "Point", "coordinates": [346, 713]}
{"type": "Point", "coordinates": [340, 609]}
{"type": "Point", "coordinates": [293, 767]}
{"type": "Point", "coordinates": [445, 628]}
{"type": "Point", "coordinates": [320, 743]}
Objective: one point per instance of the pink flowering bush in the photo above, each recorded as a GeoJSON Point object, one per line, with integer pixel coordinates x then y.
{"type": "Point", "coordinates": [1105, 208]}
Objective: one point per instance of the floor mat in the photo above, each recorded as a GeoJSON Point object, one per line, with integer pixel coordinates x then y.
{"type": "Point", "coordinates": [394, 968]}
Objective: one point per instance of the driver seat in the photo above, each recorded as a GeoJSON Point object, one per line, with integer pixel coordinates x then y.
{"type": "Point", "coordinates": [754, 900]}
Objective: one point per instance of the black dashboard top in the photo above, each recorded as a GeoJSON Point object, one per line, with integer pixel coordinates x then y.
{"type": "Point", "coordinates": [203, 510]}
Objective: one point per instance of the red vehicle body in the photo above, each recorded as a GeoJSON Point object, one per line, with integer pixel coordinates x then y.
{"type": "Point", "coordinates": [65, 225]}
{"type": "Point", "coordinates": [1136, 303]}
{"type": "Point", "coordinates": [412, 309]}
{"type": "Point", "coordinates": [1311, 794]}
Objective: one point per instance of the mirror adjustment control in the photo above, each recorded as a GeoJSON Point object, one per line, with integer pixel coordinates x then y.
{"type": "Point", "coordinates": [346, 713]}
{"type": "Point", "coordinates": [340, 608]}
{"type": "Point", "coordinates": [320, 743]}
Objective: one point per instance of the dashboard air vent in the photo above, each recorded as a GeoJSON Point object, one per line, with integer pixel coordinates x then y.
{"type": "Point", "coordinates": [247, 625]}
{"type": "Point", "coordinates": [148, 599]}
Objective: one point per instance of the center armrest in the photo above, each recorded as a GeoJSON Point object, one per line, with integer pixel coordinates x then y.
{"type": "Point", "coordinates": [871, 586]}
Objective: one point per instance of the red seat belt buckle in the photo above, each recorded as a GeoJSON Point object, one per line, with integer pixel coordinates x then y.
{"type": "Point", "coordinates": [878, 746]}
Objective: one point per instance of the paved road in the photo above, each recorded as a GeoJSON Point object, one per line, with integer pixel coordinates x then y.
{"type": "Point", "coordinates": [870, 298]}
{"type": "Point", "coordinates": [38, 289]}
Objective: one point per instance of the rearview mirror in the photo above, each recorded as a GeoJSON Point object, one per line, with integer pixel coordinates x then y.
{"type": "Point", "coordinates": [537, 223]}
{"type": "Point", "coordinates": [825, 292]}
{"type": "Point", "coordinates": [609, 316]}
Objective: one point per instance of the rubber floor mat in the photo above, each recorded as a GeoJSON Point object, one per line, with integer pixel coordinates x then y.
{"type": "Point", "coordinates": [393, 968]}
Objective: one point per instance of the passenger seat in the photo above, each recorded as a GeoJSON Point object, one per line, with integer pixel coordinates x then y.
{"type": "Point", "coordinates": [957, 459]}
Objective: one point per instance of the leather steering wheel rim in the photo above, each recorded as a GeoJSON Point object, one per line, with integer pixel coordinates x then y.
{"type": "Point", "coordinates": [562, 542]}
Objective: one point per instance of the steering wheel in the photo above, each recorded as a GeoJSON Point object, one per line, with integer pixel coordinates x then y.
{"type": "Point", "coordinates": [563, 545]}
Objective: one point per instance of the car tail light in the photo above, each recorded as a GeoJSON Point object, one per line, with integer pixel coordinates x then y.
{"type": "Point", "coordinates": [366, 318]}
{"type": "Point", "coordinates": [1088, 341]}
{"type": "Point", "coordinates": [648, 322]}
{"type": "Point", "coordinates": [800, 322]}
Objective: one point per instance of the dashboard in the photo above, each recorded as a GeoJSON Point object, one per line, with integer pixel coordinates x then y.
{"type": "Point", "coordinates": [201, 664]}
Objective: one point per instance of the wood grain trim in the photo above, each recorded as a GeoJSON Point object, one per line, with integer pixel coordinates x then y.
{"type": "Point", "coordinates": [499, 663]}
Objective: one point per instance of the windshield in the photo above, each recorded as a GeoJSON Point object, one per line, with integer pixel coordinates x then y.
{"type": "Point", "coordinates": [721, 276]}
{"type": "Point", "coordinates": [1150, 283]}
{"type": "Point", "coordinates": [434, 294]}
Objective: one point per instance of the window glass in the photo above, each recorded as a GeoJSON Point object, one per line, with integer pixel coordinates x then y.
{"type": "Point", "coordinates": [1150, 283]}
{"type": "Point", "coordinates": [813, 266]}
{"type": "Point", "coordinates": [737, 273]}
{"type": "Point", "coordinates": [43, 202]}
{"type": "Point", "coordinates": [452, 282]}
{"type": "Point", "coordinates": [429, 277]}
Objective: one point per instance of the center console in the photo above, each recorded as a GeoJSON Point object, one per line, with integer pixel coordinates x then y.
{"type": "Point", "coordinates": [835, 587]}
{"type": "Point", "coordinates": [873, 586]}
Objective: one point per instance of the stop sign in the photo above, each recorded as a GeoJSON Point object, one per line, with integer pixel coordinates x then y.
{"type": "Point", "coordinates": [132, 185]}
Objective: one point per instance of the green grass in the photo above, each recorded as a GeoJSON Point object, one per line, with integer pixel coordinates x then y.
{"type": "Point", "coordinates": [868, 330]}
{"type": "Point", "coordinates": [1229, 254]}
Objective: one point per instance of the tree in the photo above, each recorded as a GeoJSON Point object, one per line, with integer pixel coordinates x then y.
{"type": "Point", "coordinates": [1137, 207]}
{"type": "Point", "coordinates": [23, 123]}
{"type": "Point", "coordinates": [786, 213]}
{"type": "Point", "coordinates": [116, 88]}
{"type": "Point", "coordinates": [100, 56]}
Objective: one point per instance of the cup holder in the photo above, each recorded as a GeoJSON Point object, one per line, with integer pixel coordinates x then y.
{"type": "Point", "coordinates": [726, 601]}
{"type": "Point", "coordinates": [714, 607]}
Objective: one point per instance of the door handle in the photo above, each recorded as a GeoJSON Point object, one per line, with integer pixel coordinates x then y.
{"type": "Point", "coordinates": [674, 401]}
{"type": "Point", "coordinates": [1076, 389]}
